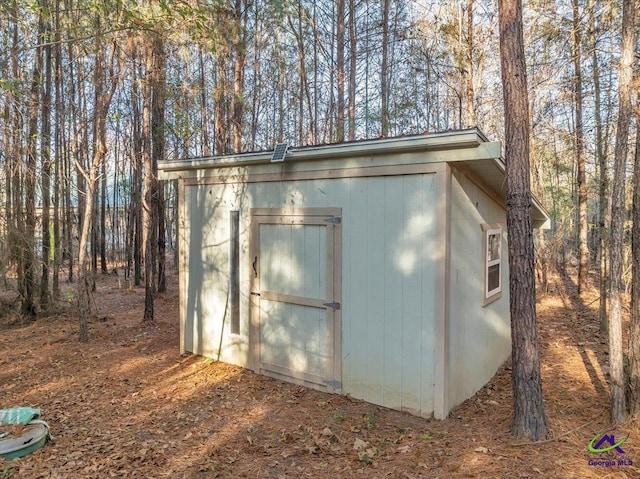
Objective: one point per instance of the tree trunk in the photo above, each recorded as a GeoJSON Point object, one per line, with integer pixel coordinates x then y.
{"type": "Point", "coordinates": [178, 243]}
{"type": "Point", "coordinates": [78, 146]}
{"type": "Point", "coordinates": [528, 413]}
{"type": "Point", "coordinates": [152, 148]}
{"type": "Point", "coordinates": [134, 218]}
{"type": "Point", "coordinates": [305, 93]}
{"type": "Point", "coordinates": [5, 255]}
{"type": "Point", "coordinates": [59, 119]}
{"type": "Point", "coordinates": [340, 26]}
{"type": "Point", "coordinates": [353, 46]}
{"type": "Point", "coordinates": [256, 96]}
{"type": "Point", "coordinates": [102, 234]}
{"type": "Point", "coordinates": [603, 176]}
{"type": "Point", "coordinates": [158, 153]}
{"type": "Point", "coordinates": [471, 109]}
{"type": "Point", "coordinates": [618, 400]}
{"type": "Point", "coordinates": [11, 148]}
{"type": "Point", "coordinates": [70, 151]}
{"type": "Point", "coordinates": [315, 109]}
{"type": "Point", "coordinates": [384, 71]}
{"type": "Point", "coordinates": [103, 95]}
{"type": "Point", "coordinates": [45, 147]}
{"type": "Point", "coordinates": [221, 96]}
{"type": "Point", "coordinates": [633, 385]}
{"type": "Point", "coordinates": [69, 219]}
{"type": "Point", "coordinates": [115, 245]}
{"type": "Point", "coordinates": [204, 109]}
{"type": "Point", "coordinates": [240, 55]}
{"type": "Point", "coordinates": [28, 307]}
{"type": "Point", "coordinates": [583, 224]}
{"type": "Point", "coordinates": [162, 242]}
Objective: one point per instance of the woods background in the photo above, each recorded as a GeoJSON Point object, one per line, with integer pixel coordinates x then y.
{"type": "Point", "coordinates": [94, 93]}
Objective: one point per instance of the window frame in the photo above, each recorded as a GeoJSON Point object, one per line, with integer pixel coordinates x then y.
{"type": "Point", "coordinates": [490, 230]}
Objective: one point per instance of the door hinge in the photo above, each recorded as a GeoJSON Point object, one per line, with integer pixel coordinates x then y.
{"type": "Point", "coordinates": [334, 220]}
{"type": "Point", "coordinates": [333, 305]}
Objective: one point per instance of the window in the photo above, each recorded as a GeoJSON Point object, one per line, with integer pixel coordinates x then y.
{"type": "Point", "coordinates": [492, 263]}
{"type": "Point", "coordinates": [234, 271]}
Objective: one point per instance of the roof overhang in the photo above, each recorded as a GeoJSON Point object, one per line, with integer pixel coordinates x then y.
{"type": "Point", "coordinates": [471, 139]}
{"type": "Point", "coordinates": [473, 152]}
{"type": "Point", "coordinates": [493, 173]}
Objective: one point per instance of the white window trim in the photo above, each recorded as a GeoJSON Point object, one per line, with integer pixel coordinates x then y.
{"type": "Point", "coordinates": [496, 293]}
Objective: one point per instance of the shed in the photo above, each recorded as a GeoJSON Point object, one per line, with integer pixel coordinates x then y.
{"type": "Point", "coordinates": [373, 268]}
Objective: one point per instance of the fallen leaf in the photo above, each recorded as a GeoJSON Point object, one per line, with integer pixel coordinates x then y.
{"type": "Point", "coordinates": [359, 444]}
{"type": "Point", "coordinates": [371, 451]}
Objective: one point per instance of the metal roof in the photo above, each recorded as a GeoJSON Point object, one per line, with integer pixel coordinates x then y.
{"type": "Point", "coordinates": [484, 158]}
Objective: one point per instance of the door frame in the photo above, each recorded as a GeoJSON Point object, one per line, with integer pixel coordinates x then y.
{"type": "Point", "coordinates": [332, 218]}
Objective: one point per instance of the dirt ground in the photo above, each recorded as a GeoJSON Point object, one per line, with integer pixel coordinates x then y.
{"type": "Point", "coordinates": [128, 405]}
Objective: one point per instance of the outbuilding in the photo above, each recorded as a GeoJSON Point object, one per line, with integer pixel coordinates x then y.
{"type": "Point", "coordinates": [374, 268]}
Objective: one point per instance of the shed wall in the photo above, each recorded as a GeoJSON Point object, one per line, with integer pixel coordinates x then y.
{"type": "Point", "coordinates": [390, 253]}
{"type": "Point", "coordinates": [479, 337]}
{"type": "Point", "coordinates": [205, 243]}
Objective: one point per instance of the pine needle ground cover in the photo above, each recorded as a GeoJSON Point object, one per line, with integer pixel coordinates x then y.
{"type": "Point", "coordinates": [128, 405]}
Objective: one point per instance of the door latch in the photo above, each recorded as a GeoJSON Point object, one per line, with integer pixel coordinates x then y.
{"type": "Point", "coordinates": [334, 305]}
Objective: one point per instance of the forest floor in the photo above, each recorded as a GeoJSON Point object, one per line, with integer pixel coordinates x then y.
{"type": "Point", "coordinates": [127, 404]}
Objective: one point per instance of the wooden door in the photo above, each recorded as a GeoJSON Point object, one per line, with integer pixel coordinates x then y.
{"type": "Point", "coordinates": [295, 295]}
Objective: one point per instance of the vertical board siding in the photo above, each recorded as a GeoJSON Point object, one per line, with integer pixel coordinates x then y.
{"type": "Point", "coordinates": [314, 252]}
{"type": "Point", "coordinates": [418, 339]}
{"type": "Point", "coordinates": [293, 262]}
{"type": "Point", "coordinates": [356, 253]}
{"type": "Point", "coordinates": [369, 323]}
{"type": "Point", "coordinates": [207, 242]}
{"type": "Point", "coordinates": [208, 261]}
{"type": "Point", "coordinates": [388, 284]}
{"type": "Point", "coordinates": [391, 288]}
{"type": "Point", "coordinates": [480, 336]}
{"type": "Point", "coordinates": [294, 337]}
{"type": "Point", "coordinates": [389, 276]}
